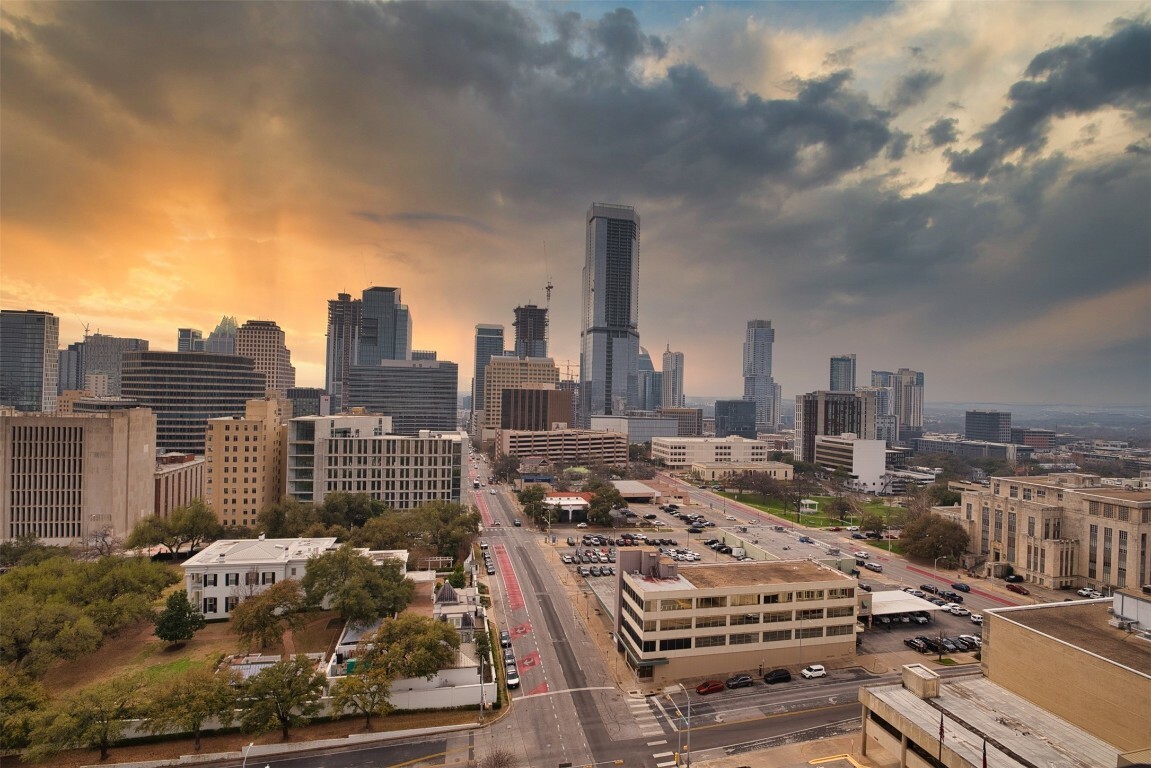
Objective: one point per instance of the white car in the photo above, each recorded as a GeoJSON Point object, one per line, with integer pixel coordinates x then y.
{"type": "Point", "coordinates": [861, 555]}
{"type": "Point", "coordinates": [730, 517]}
{"type": "Point", "coordinates": [492, 491]}
{"type": "Point", "coordinates": [815, 670]}
{"type": "Point", "coordinates": [949, 606]}
{"type": "Point", "coordinates": [581, 525]}
{"type": "Point", "coordinates": [852, 528]}
{"type": "Point", "coordinates": [959, 610]}
{"type": "Point", "coordinates": [977, 618]}
{"type": "Point", "coordinates": [972, 640]}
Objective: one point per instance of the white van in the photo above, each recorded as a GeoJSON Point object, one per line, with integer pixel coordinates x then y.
{"type": "Point", "coordinates": [873, 567]}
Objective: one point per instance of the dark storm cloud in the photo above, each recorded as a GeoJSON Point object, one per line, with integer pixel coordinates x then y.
{"type": "Point", "coordinates": [942, 132]}
{"type": "Point", "coordinates": [1077, 78]}
{"type": "Point", "coordinates": [912, 89]}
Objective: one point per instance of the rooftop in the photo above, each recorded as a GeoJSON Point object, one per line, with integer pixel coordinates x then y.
{"type": "Point", "coordinates": [1083, 624]}
{"type": "Point", "coordinates": [1017, 733]}
{"type": "Point", "coordinates": [259, 550]}
{"type": "Point", "coordinates": [746, 574]}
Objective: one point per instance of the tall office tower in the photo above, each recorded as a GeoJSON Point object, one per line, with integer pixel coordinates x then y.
{"type": "Point", "coordinates": [758, 384]}
{"type": "Point", "coordinates": [489, 344]}
{"type": "Point", "coordinates": [343, 347]}
{"type": "Point", "coordinates": [650, 383]}
{"type": "Point", "coordinates": [673, 396]}
{"type": "Point", "coordinates": [309, 401]}
{"type": "Point", "coordinates": [417, 394]}
{"type": "Point", "coordinates": [535, 409]}
{"type": "Point", "coordinates": [222, 339]}
{"type": "Point", "coordinates": [735, 417]}
{"type": "Point", "coordinates": [609, 331]}
{"type": "Point", "coordinates": [531, 331]}
{"type": "Point", "coordinates": [991, 426]}
{"type": "Point", "coordinates": [908, 402]}
{"type": "Point", "coordinates": [832, 413]}
{"type": "Point", "coordinates": [185, 389]}
{"type": "Point", "coordinates": [385, 327]}
{"type": "Point", "coordinates": [29, 360]}
{"type": "Point", "coordinates": [64, 478]}
{"type": "Point", "coordinates": [263, 342]}
{"type": "Point", "coordinates": [189, 340]}
{"type": "Point", "coordinates": [884, 397]}
{"type": "Point", "coordinates": [507, 372]}
{"type": "Point", "coordinates": [70, 368]}
{"type": "Point", "coordinates": [843, 373]}
{"type": "Point", "coordinates": [255, 441]}
{"type": "Point", "coordinates": [105, 354]}
{"type": "Point", "coordinates": [572, 388]}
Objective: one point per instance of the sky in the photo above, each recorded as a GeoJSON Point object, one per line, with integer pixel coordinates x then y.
{"type": "Point", "coordinates": [962, 188]}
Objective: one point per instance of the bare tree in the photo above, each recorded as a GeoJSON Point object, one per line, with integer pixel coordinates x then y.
{"type": "Point", "coordinates": [499, 758]}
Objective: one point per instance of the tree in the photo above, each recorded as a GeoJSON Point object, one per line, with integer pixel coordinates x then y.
{"type": "Point", "coordinates": [506, 467]}
{"type": "Point", "coordinates": [286, 519]}
{"type": "Point", "coordinates": [355, 586]}
{"type": "Point", "coordinates": [283, 695]}
{"type": "Point", "coordinates": [187, 702]}
{"type": "Point", "coordinates": [499, 758]}
{"type": "Point", "coordinates": [410, 646]}
{"type": "Point", "coordinates": [154, 531]}
{"type": "Point", "coordinates": [931, 537]}
{"type": "Point", "coordinates": [872, 522]}
{"type": "Point", "coordinates": [260, 618]}
{"type": "Point", "coordinates": [841, 507]}
{"type": "Point", "coordinates": [194, 524]}
{"type": "Point", "coordinates": [22, 699]}
{"type": "Point", "coordinates": [26, 550]}
{"type": "Point", "coordinates": [35, 632]}
{"type": "Point", "coordinates": [366, 692]}
{"type": "Point", "coordinates": [102, 541]}
{"type": "Point", "coordinates": [179, 620]}
{"type": "Point", "coordinates": [458, 578]}
{"type": "Point", "coordinates": [605, 498]}
{"type": "Point", "coordinates": [350, 510]}
{"type": "Point", "coordinates": [93, 717]}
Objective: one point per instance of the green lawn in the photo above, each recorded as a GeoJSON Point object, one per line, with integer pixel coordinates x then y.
{"type": "Point", "coordinates": [809, 521]}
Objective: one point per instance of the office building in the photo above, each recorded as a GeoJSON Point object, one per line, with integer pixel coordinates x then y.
{"type": "Point", "coordinates": [222, 339]}
{"type": "Point", "coordinates": [842, 373]}
{"type": "Point", "coordinates": [185, 389]}
{"type": "Point", "coordinates": [70, 368]}
{"type": "Point", "coordinates": [690, 420]}
{"type": "Point", "coordinates": [1039, 439]}
{"type": "Point", "coordinates": [179, 480]}
{"type": "Point", "coordinates": [263, 342]}
{"type": "Point", "coordinates": [535, 408]}
{"type": "Point", "coordinates": [76, 402]}
{"type": "Point", "coordinates": [105, 355]}
{"type": "Point", "coordinates": [506, 372]}
{"type": "Point", "coordinates": [990, 426]}
{"type": "Point", "coordinates": [385, 327]}
{"type": "Point", "coordinates": [832, 413]}
{"type": "Point", "coordinates": [417, 394]}
{"type": "Point", "coordinates": [887, 428]}
{"type": "Point", "coordinates": [698, 621]}
{"type": "Point", "coordinates": [971, 449]}
{"type": "Point", "coordinates": [758, 384]}
{"type": "Point", "coordinates": [678, 452]}
{"type": "Point", "coordinates": [570, 447]}
{"type": "Point", "coordinates": [64, 479]}
{"type": "Point", "coordinates": [639, 427]}
{"type": "Point", "coordinates": [864, 462]}
{"type": "Point", "coordinates": [343, 346]}
{"type": "Point", "coordinates": [906, 398]}
{"type": "Point", "coordinates": [531, 326]}
{"type": "Point", "coordinates": [735, 417]}
{"type": "Point", "coordinates": [246, 461]}
{"type": "Point", "coordinates": [309, 401]}
{"type": "Point", "coordinates": [673, 396]}
{"type": "Point", "coordinates": [721, 471]}
{"type": "Point", "coordinates": [609, 332]}
{"type": "Point", "coordinates": [1060, 531]}
{"type": "Point", "coordinates": [29, 360]}
{"type": "Point", "coordinates": [360, 454]}
{"type": "Point", "coordinates": [489, 343]}
{"type": "Point", "coordinates": [189, 340]}
{"type": "Point", "coordinates": [650, 383]}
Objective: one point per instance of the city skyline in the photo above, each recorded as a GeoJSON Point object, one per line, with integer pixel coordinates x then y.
{"type": "Point", "coordinates": [959, 189]}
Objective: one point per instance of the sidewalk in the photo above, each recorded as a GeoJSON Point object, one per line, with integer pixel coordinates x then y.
{"type": "Point", "coordinates": [837, 752]}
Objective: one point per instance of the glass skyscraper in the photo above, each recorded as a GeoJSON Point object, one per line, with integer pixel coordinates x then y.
{"type": "Point", "coordinates": [385, 327]}
{"type": "Point", "coordinates": [489, 344]}
{"type": "Point", "coordinates": [842, 373]}
{"type": "Point", "coordinates": [758, 385]}
{"type": "Point", "coordinates": [609, 333]}
{"type": "Point", "coordinates": [29, 360]}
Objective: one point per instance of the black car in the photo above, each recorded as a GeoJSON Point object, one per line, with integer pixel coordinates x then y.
{"type": "Point", "coordinates": [1014, 578]}
{"type": "Point", "coordinates": [740, 681]}
{"type": "Point", "coordinates": [777, 676]}
{"type": "Point", "coordinates": [864, 586]}
{"type": "Point", "coordinates": [961, 586]}
{"type": "Point", "coordinates": [929, 588]}
{"type": "Point", "coordinates": [952, 596]}
{"type": "Point", "coordinates": [693, 529]}
{"type": "Point", "coordinates": [915, 644]}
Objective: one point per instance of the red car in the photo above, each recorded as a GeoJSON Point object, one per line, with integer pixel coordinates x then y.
{"type": "Point", "coordinates": [1018, 589]}
{"type": "Point", "coordinates": [709, 686]}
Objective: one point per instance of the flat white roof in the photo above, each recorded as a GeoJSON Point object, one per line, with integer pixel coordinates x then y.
{"type": "Point", "coordinates": [259, 550]}
{"type": "Point", "coordinates": [889, 602]}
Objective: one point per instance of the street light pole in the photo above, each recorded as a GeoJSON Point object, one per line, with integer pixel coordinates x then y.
{"type": "Point", "coordinates": [679, 733]}
{"type": "Point", "coordinates": [245, 761]}
{"type": "Point", "coordinates": [935, 565]}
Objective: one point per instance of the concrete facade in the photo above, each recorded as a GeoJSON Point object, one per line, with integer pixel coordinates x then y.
{"type": "Point", "coordinates": [263, 342]}
{"type": "Point", "coordinates": [710, 620]}
{"type": "Point", "coordinates": [566, 446]}
{"type": "Point", "coordinates": [639, 429]}
{"type": "Point", "coordinates": [246, 461]}
{"type": "Point", "coordinates": [513, 373]}
{"type": "Point", "coordinates": [864, 460]}
{"type": "Point", "coordinates": [713, 471]}
{"type": "Point", "coordinates": [67, 478]}
{"type": "Point", "coordinates": [681, 452]}
{"type": "Point", "coordinates": [179, 481]}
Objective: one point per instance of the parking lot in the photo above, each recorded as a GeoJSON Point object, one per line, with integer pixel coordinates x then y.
{"type": "Point", "coordinates": [882, 637]}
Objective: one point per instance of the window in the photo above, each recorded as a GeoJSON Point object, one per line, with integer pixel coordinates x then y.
{"type": "Point", "coordinates": [231, 579]}
{"type": "Point", "coordinates": [746, 638]}
{"type": "Point", "coordinates": [840, 629]}
{"type": "Point", "coordinates": [834, 613]}
{"type": "Point", "coordinates": [251, 578]}
{"type": "Point", "coordinates": [209, 605]}
{"type": "Point", "coordinates": [230, 603]}
{"type": "Point", "coordinates": [710, 621]}
{"type": "Point", "coordinates": [676, 604]}
{"type": "Point", "coordinates": [745, 599]}
{"type": "Point", "coordinates": [675, 644]}
{"type": "Point", "coordinates": [668, 625]}
{"type": "Point", "coordinates": [268, 577]}
{"type": "Point", "coordinates": [809, 594]}
{"type": "Point", "coordinates": [710, 641]}
{"type": "Point", "coordinates": [832, 594]}
{"type": "Point", "coordinates": [711, 602]}
{"type": "Point", "coordinates": [209, 579]}
{"type": "Point", "coordinates": [806, 633]}
{"type": "Point", "coordinates": [777, 636]}
{"type": "Point", "coordinates": [814, 613]}
{"type": "Point", "coordinates": [777, 616]}
{"type": "Point", "coordinates": [743, 619]}
{"type": "Point", "coordinates": [779, 597]}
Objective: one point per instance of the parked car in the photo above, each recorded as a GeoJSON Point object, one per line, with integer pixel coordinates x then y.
{"type": "Point", "coordinates": [915, 644]}
{"type": "Point", "coordinates": [864, 586]}
{"type": "Point", "coordinates": [1014, 578]}
{"type": "Point", "coordinates": [920, 618]}
{"type": "Point", "coordinates": [858, 536]}
{"type": "Point", "coordinates": [777, 676]}
{"type": "Point", "coordinates": [948, 646]}
{"type": "Point", "coordinates": [1085, 592]}
{"type": "Point", "coordinates": [581, 525]}
{"type": "Point", "coordinates": [961, 586]}
{"type": "Point", "coordinates": [740, 681]}
{"type": "Point", "coordinates": [505, 639]}
{"type": "Point", "coordinates": [694, 529]}
{"type": "Point", "coordinates": [874, 567]}
{"type": "Point", "coordinates": [709, 686]}
{"type": "Point", "coordinates": [959, 610]}
{"type": "Point", "coordinates": [853, 527]}
{"type": "Point", "coordinates": [813, 671]}
{"type": "Point", "coordinates": [1018, 589]}
{"type": "Point", "coordinates": [513, 677]}
{"type": "Point", "coordinates": [952, 596]}
{"type": "Point", "coordinates": [517, 522]}
{"type": "Point", "coordinates": [973, 641]}
{"type": "Point", "coordinates": [929, 588]}
{"type": "Point", "coordinates": [977, 618]}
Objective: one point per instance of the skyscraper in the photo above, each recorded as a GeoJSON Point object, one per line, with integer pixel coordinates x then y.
{"type": "Point", "coordinates": [650, 383]}
{"type": "Point", "coordinates": [906, 399]}
{"type": "Point", "coordinates": [29, 360]}
{"type": "Point", "coordinates": [832, 413]}
{"type": "Point", "coordinates": [416, 394]}
{"type": "Point", "coordinates": [489, 344]}
{"type": "Point", "coordinates": [673, 396]}
{"type": "Point", "coordinates": [343, 346]}
{"type": "Point", "coordinates": [992, 426]}
{"type": "Point", "coordinates": [385, 327]}
{"type": "Point", "coordinates": [222, 339]}
{"type": "Point", "coordinates": [263, 341]}
{"type": "Point", "coordinates": [609, 333]}
{"type": "Point", "coordinates": [843, 373]}
{"type": "Point", "coordinates": [189, 340]}
{"type": "Point", "coordinates": [531, 331]}
{"type": "Point", "coordinates": [758, 385]}
{"type": "Point", "coordinates": [105, 354]}
{"type": "Point", "coordinates": [735, 417]}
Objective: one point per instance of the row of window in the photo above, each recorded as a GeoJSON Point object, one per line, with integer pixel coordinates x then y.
{"type": "Point", "coordinates": [745, 599]}
{"type": "Point", "coordinates": [740, 619]}
{"type": "Point", "coordinates": [746, 638]}
{"type": "Point", "coordinates": [251, 578]}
